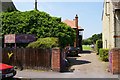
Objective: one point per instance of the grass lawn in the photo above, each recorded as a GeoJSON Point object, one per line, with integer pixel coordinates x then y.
{"type": "Point", "coordinates": [86, 47]}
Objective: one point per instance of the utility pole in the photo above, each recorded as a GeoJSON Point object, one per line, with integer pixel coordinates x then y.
{"type": "Point", "coordinates": [36, 5]}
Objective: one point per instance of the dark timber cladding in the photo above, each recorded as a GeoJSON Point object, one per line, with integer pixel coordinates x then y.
{"type": "Point", "coordinates": [6, 4]}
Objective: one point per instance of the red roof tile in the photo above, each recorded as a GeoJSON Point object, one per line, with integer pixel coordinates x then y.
{"type": "Point", "coordinates": [71, 23]}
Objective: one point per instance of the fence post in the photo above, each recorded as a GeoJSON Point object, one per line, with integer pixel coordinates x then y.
{"type": "Point", "coordinates": [55, 59]}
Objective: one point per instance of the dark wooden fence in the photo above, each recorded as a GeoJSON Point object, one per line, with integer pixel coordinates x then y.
{"type": "Point", "coordinates": [27, 58]}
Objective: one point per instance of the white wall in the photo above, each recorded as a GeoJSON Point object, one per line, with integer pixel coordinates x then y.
{"type": "Point", "coordinates": [110, 26]}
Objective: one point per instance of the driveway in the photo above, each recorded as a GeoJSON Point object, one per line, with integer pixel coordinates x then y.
{"type": "Point", "coordinates": [87, 65]}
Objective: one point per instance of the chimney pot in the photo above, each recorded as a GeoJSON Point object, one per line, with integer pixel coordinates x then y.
{"type": "Point", "coordinates": [76, 16]}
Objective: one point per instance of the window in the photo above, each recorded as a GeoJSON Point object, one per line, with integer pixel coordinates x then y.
{"type": "Point", "coordinates": [106, 44]}
{"type": "Point", "coordinates": [107, 8]}
{"type": "Point", "coordinates": [80, 33]}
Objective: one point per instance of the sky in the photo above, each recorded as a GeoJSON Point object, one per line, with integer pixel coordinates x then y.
{"type": "Point", "coordinates": [89, 13]}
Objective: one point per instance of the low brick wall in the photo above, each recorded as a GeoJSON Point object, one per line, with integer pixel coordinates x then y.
{"type": "Point", "coordinates": [55, 59]}
{"type": "Point", "coordinates": [114, 60]}
{"type": "Point", "coordinates": [58, 60]}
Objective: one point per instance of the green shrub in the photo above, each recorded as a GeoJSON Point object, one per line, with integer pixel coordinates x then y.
{"type": "Point", "coordinates": [98, 45]}
{"type": "Point", "coordinates": [48, 42]}
{"type": "Point", "coordinates": [36, 22]}
{"type": "Point", "coordinates": [103, 53]}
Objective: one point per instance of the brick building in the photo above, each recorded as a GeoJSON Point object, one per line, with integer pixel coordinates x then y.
{"type": "Point", "coordinates": [74, 24]}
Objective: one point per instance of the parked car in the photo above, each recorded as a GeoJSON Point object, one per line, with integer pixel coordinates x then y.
{"type": "Point", "coordinates": [7, 70]}
{"type": "Point", "coordinates": [72, 51]}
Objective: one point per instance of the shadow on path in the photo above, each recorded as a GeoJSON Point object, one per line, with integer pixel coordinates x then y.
{"type": "Point", "coordinates": [73, 61]}
{"type": "Point", "coordinates": [86, 52]}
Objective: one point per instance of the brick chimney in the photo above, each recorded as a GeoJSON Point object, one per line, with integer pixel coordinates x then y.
{"type": "Point", "coordinates": [76, 21]}
{"type": "Point", "coordinates": [76, 25]}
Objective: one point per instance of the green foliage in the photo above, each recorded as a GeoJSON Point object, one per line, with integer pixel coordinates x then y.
{"type": "Point", "coordinates": [11, 9]}
{"type": "Point", "coordinates": [92, 40]}
{"type": "Point", "coordinates": [87, 42]}
{"type": "Point", "coordinates": [103, 54]}
{"type": "Point", "coordinates": [36, 22]}
{"type": "Point", "coordinates": [96, 37]}
{"type": "Point", "coordinates": [98, 45]}
{"type": "Point", "coordinates": [48, 42]}
{"type": "Point", "coordinates": [86, 47]}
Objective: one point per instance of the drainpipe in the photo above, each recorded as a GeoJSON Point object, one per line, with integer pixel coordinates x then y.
{"type": "Point", "coordinates": [114, 27]}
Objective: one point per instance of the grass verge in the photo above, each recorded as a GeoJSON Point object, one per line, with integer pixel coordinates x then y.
{"type": "Point", "coordinates": [86, 47]}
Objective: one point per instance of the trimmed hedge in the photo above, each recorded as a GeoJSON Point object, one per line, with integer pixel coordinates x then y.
{"type": "Point", "coordinates": [98, 45]}
{"type": "Point", "coordinates": [48, 42]}
{"type": "Point", "coordinates": [103, 53]}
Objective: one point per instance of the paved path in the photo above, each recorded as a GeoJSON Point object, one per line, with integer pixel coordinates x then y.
{"type": "Point", "coordinates": [86, 66]}
{"type": "Point", "coordinates": [90, 66]}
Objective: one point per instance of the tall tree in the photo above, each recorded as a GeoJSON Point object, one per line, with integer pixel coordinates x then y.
{"type": "Point", "coordinates": [93, 39]}
{"type": "Point", "coordinates": [36, 22]}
